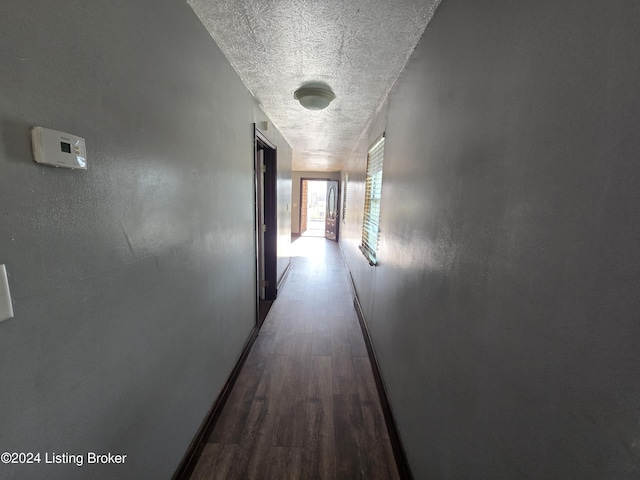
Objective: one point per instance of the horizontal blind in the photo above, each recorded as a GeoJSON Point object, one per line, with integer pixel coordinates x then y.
{"type": "Point", "coordinates": [344, 197]}
{"type": "Point", "coordinates": [372, 196]}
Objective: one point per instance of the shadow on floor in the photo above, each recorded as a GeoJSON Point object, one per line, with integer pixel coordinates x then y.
{"type": "Point", "coordinates": [263, 309]}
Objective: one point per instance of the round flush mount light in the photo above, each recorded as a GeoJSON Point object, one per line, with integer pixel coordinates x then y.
{"type": "Point", "coordinates": [314, 96]}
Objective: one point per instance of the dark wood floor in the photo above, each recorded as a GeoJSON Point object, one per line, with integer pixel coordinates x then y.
{"type": "Point", "coordinates": [305, 405]}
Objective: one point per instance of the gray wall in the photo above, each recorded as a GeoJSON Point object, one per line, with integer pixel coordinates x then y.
{"type": "Point", "coordinates": [296, 177]}
{"type": "Point", "coordinates": [133, 282]}
{"type": "Point", "coordinates": [504, 311]}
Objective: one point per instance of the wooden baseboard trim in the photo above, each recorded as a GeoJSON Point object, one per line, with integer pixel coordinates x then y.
{"type": "Point", "coordinates": [283, 278]}
{"type": "Point", "coordinates": [399, 453]}
{"type": "Point", "coordinates": [188, 463]}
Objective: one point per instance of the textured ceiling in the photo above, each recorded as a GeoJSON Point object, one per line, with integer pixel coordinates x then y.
{"type": "Point", "coordinates": [358, 47]}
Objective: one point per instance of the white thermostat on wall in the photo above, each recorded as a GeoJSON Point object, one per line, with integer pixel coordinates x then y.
{"type": "Point", "coordinates": [58, 149]}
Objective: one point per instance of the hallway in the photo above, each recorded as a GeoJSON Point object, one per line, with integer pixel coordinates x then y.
{"type": "Point", "coordinates": [305, 404]}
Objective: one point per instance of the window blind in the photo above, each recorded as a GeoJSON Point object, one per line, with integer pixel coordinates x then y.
{"type": "Point", "coordinates": [344, 197]}
{"type": "Point", "coordinates": [372, 197]}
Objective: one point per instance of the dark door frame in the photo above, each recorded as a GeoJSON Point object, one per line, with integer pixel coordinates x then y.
{"type": "Point", "coordinates": [269, 203]}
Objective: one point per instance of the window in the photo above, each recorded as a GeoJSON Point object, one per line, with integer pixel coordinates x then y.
{"type": "Point", "coordinates": [372, 195]}
{"type": "Point", "coordinates": [344, 197]}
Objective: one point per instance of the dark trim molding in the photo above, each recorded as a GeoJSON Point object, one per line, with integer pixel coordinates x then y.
{"type": "Point", "coordinates": [284, 276]}
{"type": "Point", "coordinates": [263, 137]}
{"type": "Point", "coordinates": [188, 463]}
{"type": "Point", "coordinates": [399, 454]}
{"type": "Point", "coordinates": [266, 199]}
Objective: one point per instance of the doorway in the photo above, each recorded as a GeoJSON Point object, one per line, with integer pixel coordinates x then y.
{"type": "Point", "coordinates": [312, 211]}
{"type": "Point", "coordinates": [266, 223]}
{"type": "Point", "coordinates": [319, 208]}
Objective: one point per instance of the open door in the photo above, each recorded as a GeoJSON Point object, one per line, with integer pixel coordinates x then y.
{"type": "Point", "coordinates": [331, 216]}
{"type": "Point", "coordinates": [266, 217]}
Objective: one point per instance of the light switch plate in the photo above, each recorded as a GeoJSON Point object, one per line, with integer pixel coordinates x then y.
{"type": "Point", "coordinates": [6, 310]}
{"type": "Point", "coordinates": [58, 149]}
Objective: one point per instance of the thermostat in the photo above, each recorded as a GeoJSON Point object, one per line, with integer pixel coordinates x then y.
{"type": "Point", "coordinates": [58, 149]}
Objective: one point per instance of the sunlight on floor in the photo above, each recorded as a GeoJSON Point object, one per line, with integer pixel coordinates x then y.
{"type": "Point", "coordinates": [314, 229]}
{"type": "Point", "coordinates": [309, 247]}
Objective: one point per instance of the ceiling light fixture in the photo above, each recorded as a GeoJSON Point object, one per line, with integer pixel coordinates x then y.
{"type": "Point", "coordinates": [314, 96]}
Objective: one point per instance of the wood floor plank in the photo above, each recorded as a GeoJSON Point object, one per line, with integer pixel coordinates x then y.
{"type": "Point", "coordinates": [319, 461]}
{"type": "Point", "coordinates": [301, 347]}
{"type": "Point", "coordinates": [284, 463]}
{"type": "Point", "coordinates": [367, 388]}
{"type": "Point", "coordinates": [287, 322]}
{"type": "Point", "coordinates": [303, 323]}
{"type": "Point", "coordinates": [351, 451]}
{"type": "Point", "coordinates": [233, 417]}
{"type": "Point", "coordinates": [215, 462]}
{"type": "Point", "coordinates": [264, 342]}
{"type": "Point", "coordinates": [321, 344]}
{"type": "Point", "coordinates": [256, 445]}
{"type": "Point", "coordinates": [358, 347]}
{"type": "Point", "coordinates": [374, 432]}
{"type": "Point", "coordinates": [339, 326]}
{"type": "Point", "coordinates": [282, 342]}
{"type": "Point", "coordinates": [292, 413]}
{"type": "Point", "coordinates": [272, 381]}
{"type": "Point", "coordinates": [258, 435]}
{"type": "Point", "coordinates": [353, 324]}
{"type": "Point", "coordinates": [344, 379]}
